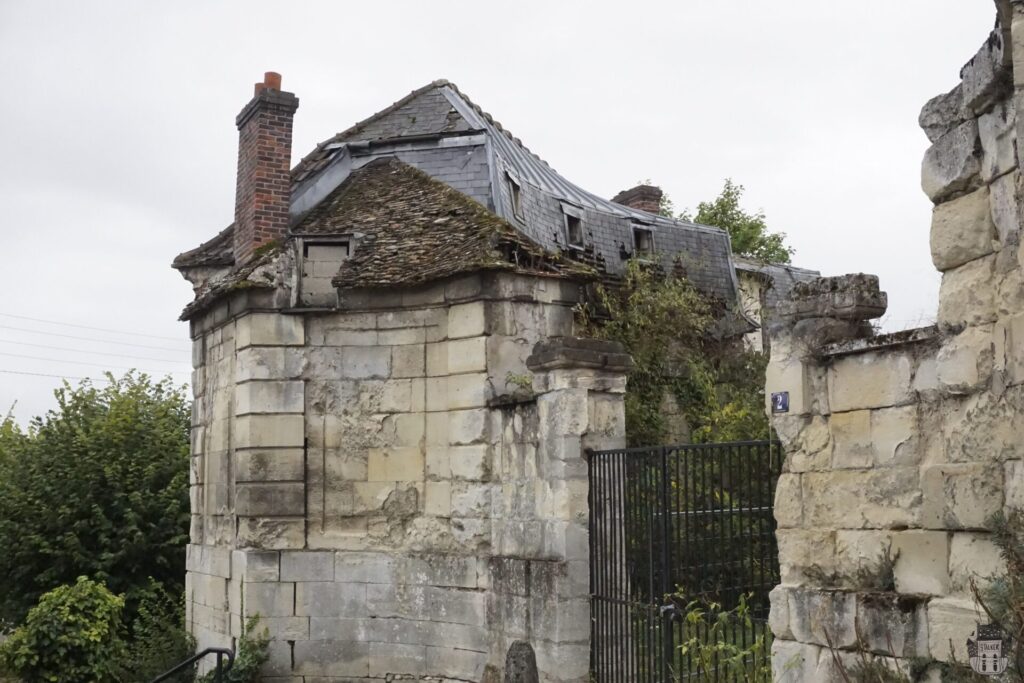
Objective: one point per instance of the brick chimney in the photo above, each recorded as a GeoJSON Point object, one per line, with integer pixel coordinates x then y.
{"type": "Point", "coordinates": [263, 190]}
{"type": "Point", "coordinates": [642, 197]}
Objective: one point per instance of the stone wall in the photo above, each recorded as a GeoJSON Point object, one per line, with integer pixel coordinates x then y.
{"type": "Point", "coordinates": [900, 447]}
{"type": "Point", "coordinates": [393, 488]}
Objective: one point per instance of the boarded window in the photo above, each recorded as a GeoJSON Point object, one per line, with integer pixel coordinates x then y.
{"type": "Point", "coordinates": [320, 263]}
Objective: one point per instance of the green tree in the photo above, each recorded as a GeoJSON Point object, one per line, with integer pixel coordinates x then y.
{"type": "Point", "coordinates": [72, 636]}
{"type": "Point", "coordinates": [748, 231]}
{"type": "Point", "coordinates": [97, 488]}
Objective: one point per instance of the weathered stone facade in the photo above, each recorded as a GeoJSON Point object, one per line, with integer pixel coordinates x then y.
{"type": "Point", "coordinates": [900, 447]}
{"type": "Point", "coordinates": [397, 486]}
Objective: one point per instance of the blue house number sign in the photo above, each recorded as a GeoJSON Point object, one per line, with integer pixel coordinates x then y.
{"type": "Point", "coordinates": [780, 401]}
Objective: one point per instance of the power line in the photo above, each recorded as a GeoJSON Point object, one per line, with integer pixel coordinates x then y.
{"type": "Point", "coordinates": [93, 353]}
{"type": "Point", "coordinates": [81, 362]}
{"type": "Point", "coordinates": [92, 339]}
{"type": "Point", "coordinates": [88, 327]}
{"type": "Point", "coordinates": [41, 374]}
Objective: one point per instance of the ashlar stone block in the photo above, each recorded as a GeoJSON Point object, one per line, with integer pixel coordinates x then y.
{"type": "Point", "coordinates": [270, 431]}
{"type": "Point", "coordinates": [870, 380]}
{"type": "Point", "coordinates": [951, 621]}
{"type": "Point", "coordinates": [953, 163]}
{"type": "Point", "coordinates": [973, 557]}
{"type": "Point", "coordinates": [962, 230]}
{"type": "Point", "coordinates": [851, 439]}
{"type": "Point", "coordinates": [921, 561]}
{"type": "Point", "coordinates": [967, 294]}
{"type": "Point", "coordinates": [466, 320]}
{"type": "Point", "coordinates": [270, 329]}
{"type": "Point", "coordinates": [395, 464]}
{"type": "Point", "coordinates": [467, 355]}
{"type": "Point", "coordinates": [961, 495]}
{"type": "Point", "coordinates": [1003, 200]}
{"type": "Point", "coordinates": [307, 565]}
{"type": "Point", "coordinates": [269, 397]}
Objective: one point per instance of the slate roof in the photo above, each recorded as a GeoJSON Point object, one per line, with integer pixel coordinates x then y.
{"type": "Point", "coordinates": [782, 276]}
{"type": "Point", "coordinates": [419, 229]}
{"type": "Point", "coordinates": [472, 153]}
{"type": "Point", "coordinates": [218, 251]}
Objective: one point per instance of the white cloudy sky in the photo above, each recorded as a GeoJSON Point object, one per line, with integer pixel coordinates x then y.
{"type": "Point", "coordinates": [117, 138]}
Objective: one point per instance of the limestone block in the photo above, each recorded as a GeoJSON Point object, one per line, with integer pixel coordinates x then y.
{"type": "Point", "coordinates": [984, 426]}
{"type": "Point", "coordinates": [998, 132]}
{"type": "Point", "coordinates": [894, 436]}
{"type": "Point", "coordinates": [468, 391]}
{"type": "Point", "coordinates": [402, 336]}
{"type": "Point", "coordinates": [960, 495]}
{"type": "Point", "coordinates": [466, 320]}
{"type": "Point", "coordinates": [882, 498]}
{"type": "Point", "coordinates": [778, 615]}
{"type": "Point", "coordinates": [395, 464]}
{"type": "Point", "coordinates": [973, 557]}
{"type": "Point", "coordinates": [962, 230]}
{"type": "Point", "coordinates": [823, 617]}
{"type": "Point", "coordinates": [271, 534]}
{"type": "Point", "coordinates": [346, 337]}
{"type": "Point", "coordinates": [861, 553]}
{"type": "Point", "coordinates": [467, 426]}
{"type": "Point", "coordinates": [1014, 478]}
{"type": "Point", "coordinates": [787, 374]}
{"type": "Point", "coordinates": [467, 355]}
{"type": "Point", "coordinates": [943, 113]}
{"type": "Point", "coordinates": [269, 599]}
{"type": "Point", "coordinates": [890, 624]}
{"type": "Point", "coordinates": [207, 559]}
{"type": "Point", "coordinates": [270, 431]}
{"type": "Point", "coordinates": [346, 658]}
{"type": "Point", "coordinates": [951, 621]}
{"type": "Point", "coordinates": [273, 363]}
{"type": "Point", "coordinates": [269, 397]}
{"type": "Point", "coordinates": [307, 565]}
{"type": "Point", "coordinates": [964, 363]}
{"type": "Point", "coordinates": [1010, 295]}
{"type": "Point", "coordinates": [804, 552]}
{"type": "Point", "coordinates": [984, 79]}
{"type": "Point", "coordinates": [953, 163]}
{"type": "Point", "coordinates": [852, 439]}
{"type": "Point", "coordinates": [563, 413]}
{"type": "Point", "coordinates": [922, 559]}
{"type": "Point", "coordinates": [285, 628]}
{"type": "Point", "coordinates": [453, 571]}
{"type": "Point", "coordinates": [1002, 197]}
{"type": "Point", "coordinates": [408, 361]}
{"type": "Point", "coordinates": [470, 463]}
{"type": "Point", "coordinates": [269, 329]}
{"type": "Point", "coordinates": [278, 499]}
{"type": "Point", "coordinates": [967, 294]}
{"type": "Point", "coordinates": [788, 506]}
{"type": "Point", "coordinates": [394, 396]}
{"type": "Point", "coordinates": [870, 380]}
{"type": "Point", "coordinates": [330, 599]}
{"type": "Point", "coordinates": [471, 499]}
{"type": "Point", "coordinates": [463, 665]}
{"type": "Point", "coordinates": [438, 498]}
{"type": "Point", "coordinates": [256, 566]}
{"type": "Point", "coordinates": [807, 441]}
{"type": "Point", "coordinates": [794, 662]}
{"type": "Point", "coordinates": [358, 362]}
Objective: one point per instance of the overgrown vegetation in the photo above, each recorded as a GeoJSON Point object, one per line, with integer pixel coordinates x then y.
{"type": "Point", "coordinates": [665, 324]}
{"type": "Point", "coordinates": [727, 642]}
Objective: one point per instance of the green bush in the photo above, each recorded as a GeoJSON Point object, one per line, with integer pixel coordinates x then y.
{"type": "Point", "coordinates": [97, 488]}
{"type": "Point", "coordinates": [159, 640]}
{"type": "Point", "coordinates": [72, 636]}
{"type": "Point", "coordinates": [250, 655]}
{"type": "Point", "coordinates": [723, 644]}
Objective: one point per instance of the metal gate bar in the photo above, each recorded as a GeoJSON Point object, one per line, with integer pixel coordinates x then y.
{"type": "Point", "coordinates": [670, 525]}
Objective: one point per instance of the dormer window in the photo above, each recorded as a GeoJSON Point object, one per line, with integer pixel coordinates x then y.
{"type": "Point", "coordinates": [573, 216]}
{"type": "Point", "coordinates": [320, 263]}
{"type": "Point", "coordinates": [643, 242]}
{"type": "Point", "coordinates": [515, 196]}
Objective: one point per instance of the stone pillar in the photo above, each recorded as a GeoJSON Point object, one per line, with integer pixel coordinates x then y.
{"type": "Point", "coordinates": [541, 577]}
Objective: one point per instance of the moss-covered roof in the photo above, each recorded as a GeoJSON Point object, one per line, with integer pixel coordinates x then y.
{"type": "Point", "coordinates": [218, 251]}
{"type": "Point", "coordinates": [415, 229]}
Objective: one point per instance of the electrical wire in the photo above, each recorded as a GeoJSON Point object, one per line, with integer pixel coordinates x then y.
{"type": "Point", "coordinates": [92, 339]}
{"type": "Point", "coordinates": [41, 374]}
{"type": "Point", "coordinates": [81, 362]}
{"type": "Point", "coordinates": [88, 327]}
{"type": "Point", "coordinates": [92, 353]}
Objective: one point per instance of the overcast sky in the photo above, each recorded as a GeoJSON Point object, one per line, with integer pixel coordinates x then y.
{"type": "Point", "coordinates": [117, 137]}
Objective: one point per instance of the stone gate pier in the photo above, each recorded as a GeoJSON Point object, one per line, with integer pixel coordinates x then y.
{"type": "Point", "coordinates": [901, 446]}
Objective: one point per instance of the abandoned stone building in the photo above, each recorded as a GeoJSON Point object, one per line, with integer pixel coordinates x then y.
{"type": "Point", "coordinates": [390, 406]}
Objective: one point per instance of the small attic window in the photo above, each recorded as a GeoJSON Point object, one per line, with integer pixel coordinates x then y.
{"type": "Point", "coordinates": [320, 263]}
{"type": "Point", "coordinates": [515, 193]}
{"type": "Point", "coordinates": [574, 231]}
{"type": "Point", "coordinates": [643, 241]}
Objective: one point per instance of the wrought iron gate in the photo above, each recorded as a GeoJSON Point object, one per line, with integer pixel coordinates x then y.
{"type": "Point", "coordinates": [670, 525]}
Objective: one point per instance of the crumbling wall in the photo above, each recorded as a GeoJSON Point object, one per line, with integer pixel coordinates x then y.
{"type": "Point", "coordinates": [899, 447]}
{"type": "Point", "coordinates": [393, 488]}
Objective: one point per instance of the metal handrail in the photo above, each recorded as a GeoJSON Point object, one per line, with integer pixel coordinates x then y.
{"type": "Point", "coordinates": [220, 670]}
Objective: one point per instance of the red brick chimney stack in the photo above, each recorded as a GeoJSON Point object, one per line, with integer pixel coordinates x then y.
{"type": "Point", "coordinates": [263, 190]}
{"type": "Point", "coordinates": [642, 197]}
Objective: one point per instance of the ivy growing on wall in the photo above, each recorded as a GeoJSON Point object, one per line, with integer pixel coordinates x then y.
{"type": "Point", "coordinates": [666, 325]}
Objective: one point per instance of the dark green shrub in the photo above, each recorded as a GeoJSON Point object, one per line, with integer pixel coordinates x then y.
{"type": "Point", "coordinates": [72, 636]}
{"type": "Point", "coordinates": [250, 655]}
{"type": "Point", "coordinates": [159, 640]}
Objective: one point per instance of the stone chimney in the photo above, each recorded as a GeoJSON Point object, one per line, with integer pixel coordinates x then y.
{"type": "Point", "coordinates": [263, 189]}
{"type": "Point", "coordinates": [642, 197]}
